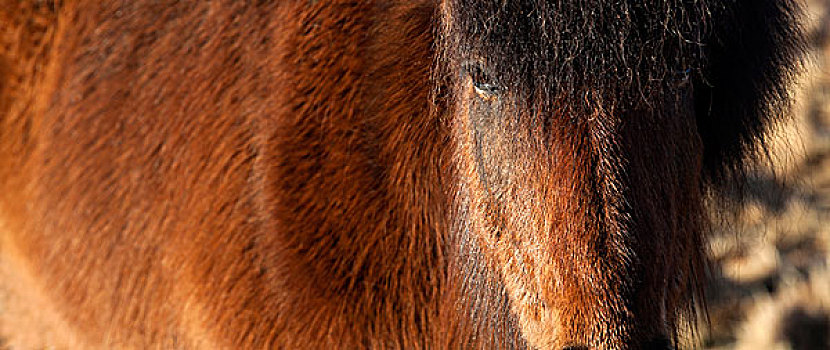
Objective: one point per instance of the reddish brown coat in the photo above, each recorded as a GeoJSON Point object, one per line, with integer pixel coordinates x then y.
{"type": "Point", "coordinates": [303, 174]}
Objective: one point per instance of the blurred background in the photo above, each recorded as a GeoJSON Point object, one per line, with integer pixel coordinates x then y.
{"type": "Point", "coordinates": [771, 285]}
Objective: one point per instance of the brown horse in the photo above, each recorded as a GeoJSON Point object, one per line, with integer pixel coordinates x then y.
{"type": "Point", "coordinates": [372, 174]}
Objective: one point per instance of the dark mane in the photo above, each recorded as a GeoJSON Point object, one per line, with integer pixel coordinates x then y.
{"type": "Point", "coordinates": [621, 51]}
{"type": "Point", "coordinates": [743, 88]}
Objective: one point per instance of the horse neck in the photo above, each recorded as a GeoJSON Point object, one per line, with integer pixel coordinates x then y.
{"type": "Point", "coordinates": [352, 163]}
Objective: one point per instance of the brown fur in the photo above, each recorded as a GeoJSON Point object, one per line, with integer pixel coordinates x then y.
{"type": "Point", "coordinates": [190, 161]}
{"type": "Point", "coordinates": [309, 174]}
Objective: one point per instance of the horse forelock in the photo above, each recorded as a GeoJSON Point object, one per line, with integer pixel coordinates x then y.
{"type": "Point", "coordinates": [621, 50]}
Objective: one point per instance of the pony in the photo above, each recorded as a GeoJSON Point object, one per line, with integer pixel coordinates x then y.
{"type": "Point", "coordinates": [529, 174]}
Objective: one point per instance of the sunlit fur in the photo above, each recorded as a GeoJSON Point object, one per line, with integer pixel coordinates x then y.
{"type": "Point", "coordinates": [330, 174]}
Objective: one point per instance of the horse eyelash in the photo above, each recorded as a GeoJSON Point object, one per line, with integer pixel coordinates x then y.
{"type": "Point", "coordinates": [483, 83]}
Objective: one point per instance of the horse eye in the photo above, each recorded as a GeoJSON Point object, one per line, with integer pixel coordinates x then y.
{"type": "Point", "coordinates": [484, 85]}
